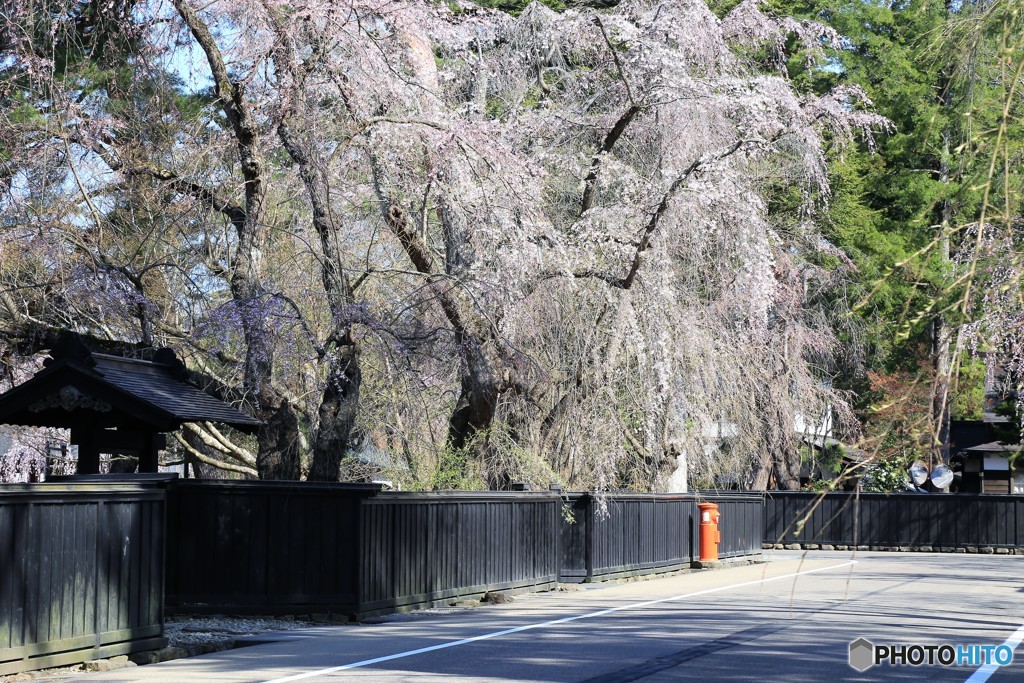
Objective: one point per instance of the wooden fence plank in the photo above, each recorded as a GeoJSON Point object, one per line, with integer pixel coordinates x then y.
{"type": "Point", "coordinates": [911, 521]}
{"type": "Point", "coordinates": [66, 546]}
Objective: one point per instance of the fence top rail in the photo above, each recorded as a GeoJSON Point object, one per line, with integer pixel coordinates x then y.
{"type": "Point", "coordinates": [624, 496]}
{"type": "Point", "coordinates": [137, 478]}
{"type": "Point", "coordinates": [276, 487]}
{"type": "Point", "coordinates": [464, 496]}
{"type": "Point", "coordinates": [47, 490]}
{"type": "Point", "coordinates": [902, 495]}
{"type": "Point", "coordinates": [730, 495]}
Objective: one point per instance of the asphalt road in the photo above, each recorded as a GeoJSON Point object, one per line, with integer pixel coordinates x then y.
{"type": "Point", "coordinates": [791, 619]}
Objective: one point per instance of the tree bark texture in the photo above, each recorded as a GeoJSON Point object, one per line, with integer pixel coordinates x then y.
{"type": "Point", "coordinates": [339, 401]}
{"type": "Point", "coordinates": [278, 456]}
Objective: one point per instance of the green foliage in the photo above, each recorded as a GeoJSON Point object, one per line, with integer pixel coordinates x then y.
{"type": "Point", "coordinates": [887, 475]}
{"type": "Point", "coordinates": [455, 472]}
{"type": "Point", "coordinates": [968, 395]}
{"type": "Point", "coordinates": [568, 516]}
{"type": "Point", "coordinates": [889, 201]}
{"type": "Point", "coordinates": [819, 485]}
{"type": "Point", "coordinates": [25, 114]}
{"type": "Point", "coordinates": [825, 465]}
{"type": "Point", "coordinates": [514, 7]}
{"type": "Point", "coordinates": [939, 72]}
{"type": "Point", "coordinates": [1008, 432]}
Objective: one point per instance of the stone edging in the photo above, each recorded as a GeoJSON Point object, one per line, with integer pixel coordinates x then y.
{"type": "Point", "coordinates": [972, 550]}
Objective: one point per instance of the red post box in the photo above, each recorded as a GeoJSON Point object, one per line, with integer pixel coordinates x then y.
{"type": "Point", "coordinates": [709, 536]}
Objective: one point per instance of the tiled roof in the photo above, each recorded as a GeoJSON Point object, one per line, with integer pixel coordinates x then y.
{"type": "Point", "coordinates": [79, 389]}
{"type": "Point", "coordinates": [159, 385]}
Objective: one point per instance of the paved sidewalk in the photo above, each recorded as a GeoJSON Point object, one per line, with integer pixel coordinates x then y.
{"type": "Point", "coordinates": [789, 620]}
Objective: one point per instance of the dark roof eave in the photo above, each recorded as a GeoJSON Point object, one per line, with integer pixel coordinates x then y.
{"type": "Point", "coordinates": [159, 417]}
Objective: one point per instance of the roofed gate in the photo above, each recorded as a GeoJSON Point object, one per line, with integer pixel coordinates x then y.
{"type": "Point", "coordinates": [113, 404]}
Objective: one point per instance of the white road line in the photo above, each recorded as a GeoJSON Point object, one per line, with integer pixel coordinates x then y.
{"type": "Point", "coordinates": [982, 674]}
{"type": "Point", "coordinates": [554, 622]}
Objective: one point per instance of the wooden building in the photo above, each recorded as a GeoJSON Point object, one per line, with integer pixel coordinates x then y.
{"type": "Point", "coordinates": [985, 463]}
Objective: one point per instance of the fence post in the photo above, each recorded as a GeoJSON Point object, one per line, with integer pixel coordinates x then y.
{"type": "Point", "coordinates": [588, 536]}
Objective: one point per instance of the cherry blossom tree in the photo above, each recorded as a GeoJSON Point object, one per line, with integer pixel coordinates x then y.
{"type": "Point", "coordinates": [577, 246]}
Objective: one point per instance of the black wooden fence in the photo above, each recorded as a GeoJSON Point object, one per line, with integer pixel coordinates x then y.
{"type": "Point", "coordinates": [81, 572]}
{"type": "Point", "coordinates": [741, 518]}
{"type": "Point", "coordinates": [620, 535]}
{"type": "Point", "coordinates": [626, 535]}
{"type": "Point", "coordinates": [349, 551]}
{"type": "Point", "coordinates": [82, 562]}
{"type": "Point", "coordinates": [418, 549]}
{"type": "Point", "coordinates": [263, 547]}
{"type": "Point", "coordinates": [911, 521]}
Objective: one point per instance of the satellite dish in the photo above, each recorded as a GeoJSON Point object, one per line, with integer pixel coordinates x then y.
{"type": "Point", "coordinates": [918, 473]}
{"type": "Point", "coordinates": [942, 477]}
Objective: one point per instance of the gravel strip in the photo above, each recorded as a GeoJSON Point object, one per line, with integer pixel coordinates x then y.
{"type": "Point", "coordinates": [197, 635]}
{"type": "Point", "coordinates": [194, 635]}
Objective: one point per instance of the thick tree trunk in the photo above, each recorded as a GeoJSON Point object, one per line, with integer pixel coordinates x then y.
{"type": "Point", "coordinates": [762, 474]}
{"type": "Point", "coordinates": [339, 402]}
{"type": "Point", "coordinates": [942, 358]}
{"type": "Point", "coordinates": [482, 370]}
{"type": "Point", "coordinates": [787, 469]}
{"type": "Point", "coordinates": [278, 456]}
{"type": "Point", "coordinates": [782, 459]}
{"type": "Point", "coordinates": [278, 439]}
{"type": "Point", "coordinates": [337, 414]}
{"type": "Point", "coordinates": [473, 415]}
{"type": "Point", "coordinates": [941, 331]}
